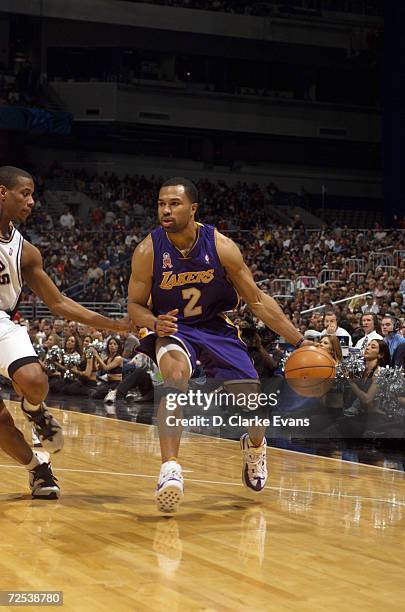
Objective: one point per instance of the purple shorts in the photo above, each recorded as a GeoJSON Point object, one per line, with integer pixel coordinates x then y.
{"type": "Point", "coordinates": [216, 344]}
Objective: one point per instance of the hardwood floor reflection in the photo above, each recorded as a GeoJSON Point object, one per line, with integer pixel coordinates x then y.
{"type": "Point", "coordinates": [324, 535]}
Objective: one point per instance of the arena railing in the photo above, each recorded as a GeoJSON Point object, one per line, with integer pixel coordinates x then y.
{"type": "Point", "coordinates": [39, 310]}
{"type": "Point", "coordinates": [356, 266]}
{"type": "Point", "coordinates": [282, 286]}
{"type": "Point", "coordinates": [389, 270]}
{"type": "Point", "coordinates": [328, 276]}
{"type": "Point", "coordinates": [306, 283]}
{"type": "Point", "coordinates": [378, 259]}
{"type": "Point", "coordinates": [398, 256]}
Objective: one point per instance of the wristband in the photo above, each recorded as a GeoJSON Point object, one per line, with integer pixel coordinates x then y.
{"type": "Point", "coordinates": [300, 341]}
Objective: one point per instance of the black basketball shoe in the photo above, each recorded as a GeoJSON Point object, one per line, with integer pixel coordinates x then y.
{"type": "Point", "coordinates": [43, 483]}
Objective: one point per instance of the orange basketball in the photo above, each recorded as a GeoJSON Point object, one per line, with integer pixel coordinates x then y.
{"type": "Point", "coordinates": [310, 371]}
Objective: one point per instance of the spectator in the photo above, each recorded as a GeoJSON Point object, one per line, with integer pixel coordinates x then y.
{"type": "Point", "coordinates": [389, 329]}
{"type": "Point", "coordinates": [112, 366]}
{"type": "Point", "coordinates": [67, 220]}
{"type": "Point", "coordinates": [331, 329]}
{"type": "Point", "coordinates": [86, 375]}
{"type": "Point", "coordinates": [370, 325]}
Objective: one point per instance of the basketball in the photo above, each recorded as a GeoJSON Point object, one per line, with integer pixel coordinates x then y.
{"type": "Point", "coordinates": [310, 371]}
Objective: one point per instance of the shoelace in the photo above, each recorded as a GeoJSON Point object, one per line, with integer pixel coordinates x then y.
{"type": "Point", "coordinates": [256, 462]}
{"type": "Point", "coordinates": [171, 472]}
{"type": "Point", "coordinates": [43, 478]}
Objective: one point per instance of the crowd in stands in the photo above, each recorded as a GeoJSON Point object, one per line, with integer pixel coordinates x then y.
{"type": "Point", "coordinates": [94, 253]}
{"type": "Point", "coordinates": [288, 261]}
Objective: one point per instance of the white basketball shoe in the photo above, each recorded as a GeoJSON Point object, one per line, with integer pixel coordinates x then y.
{"type": "Point", "coordinates": [170, 488]}
{"type": "Point", "coordinates": [254, 470]}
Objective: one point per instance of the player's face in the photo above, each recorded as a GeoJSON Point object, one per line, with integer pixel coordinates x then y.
{"type": "Point", "coordinates": [19, 202]}
{"type": "Point", "coordinates": [175, 210]}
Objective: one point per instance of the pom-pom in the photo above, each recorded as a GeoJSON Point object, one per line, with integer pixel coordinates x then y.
{"type": "Point", "coordinates": [98, 345]}
{"type": "Point", "coordinates": [40, 350]}
{"type": "Point", "coordinates": [391, 386]}
{"type": "Point", "coordinates": [351, 367]}
{"type": "Point", "coordinates": [70, 361]}
{"type": "Point", "coordinates": [54, 355]}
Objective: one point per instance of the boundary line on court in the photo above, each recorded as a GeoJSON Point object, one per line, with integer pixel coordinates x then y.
{"type": "Point", "coordinates": [190, 433]}
{"type": "Point", "coordinates": [229, 484]}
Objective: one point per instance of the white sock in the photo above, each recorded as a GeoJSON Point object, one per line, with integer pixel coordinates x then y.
{"type": "Point", "coordinates": [31, 407]}
{"type": "Point", "coordinates": [254, 445]}
{"type": "Point", "coordinates": [33, 463]}
{"type": "Point", "coordinates": [38, 457]}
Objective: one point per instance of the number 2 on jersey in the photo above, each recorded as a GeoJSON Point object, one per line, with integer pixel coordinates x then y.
{"type": "Point", "coordinates": [4, 278]}
{"type": "Point", "coordinates": [192, 295]}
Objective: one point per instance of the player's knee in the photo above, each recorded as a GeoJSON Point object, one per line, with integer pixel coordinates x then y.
{"type": "Point", "coordinates": [33, 382]}
{"type": "Point", "coordinates": [178, 378]}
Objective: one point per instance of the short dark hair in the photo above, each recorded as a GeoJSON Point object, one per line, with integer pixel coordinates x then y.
{"type": "Point", "coordinates": [189, 187]}
{"type": "Point", "coordinates": [10, 174]}
{"type": "Point", "coordinates": [375, 319]}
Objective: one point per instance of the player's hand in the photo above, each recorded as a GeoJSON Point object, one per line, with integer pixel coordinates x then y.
{"type": "Point", "coordinates": [122, 325]}
{"type": "Point", "coordinates": [166, 324]}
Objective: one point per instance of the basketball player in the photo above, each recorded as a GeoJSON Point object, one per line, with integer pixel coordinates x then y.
{"type": "Point", "coordinates": [193, 274]}
{"type": "Point", "coordinates": [21, 261]}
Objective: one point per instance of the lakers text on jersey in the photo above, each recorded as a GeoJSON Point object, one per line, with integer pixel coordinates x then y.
{"type": "Point", "coordinates": [195, 284]}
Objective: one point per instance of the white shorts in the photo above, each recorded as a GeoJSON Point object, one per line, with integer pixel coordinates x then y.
{"type": "Point", "coordinates": [16, 348]}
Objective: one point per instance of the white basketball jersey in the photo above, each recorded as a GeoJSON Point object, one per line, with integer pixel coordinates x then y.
{"type": "Point", "coordinates": [10, 273]}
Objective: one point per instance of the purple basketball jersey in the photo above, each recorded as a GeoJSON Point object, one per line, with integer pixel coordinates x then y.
{"type": "Point", "coordinates": [196, 284]}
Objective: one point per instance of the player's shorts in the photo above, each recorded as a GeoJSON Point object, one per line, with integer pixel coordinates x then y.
{"type": "Point", "coordinates": [215, 344]}
{"type": "Point", "coordinates": [16, 349]}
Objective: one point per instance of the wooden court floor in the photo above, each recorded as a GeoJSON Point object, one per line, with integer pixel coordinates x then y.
{"type": "Point", "coordinates": [325, 534]}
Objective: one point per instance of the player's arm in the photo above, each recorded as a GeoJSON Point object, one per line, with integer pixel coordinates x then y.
{"type": "Point", "coordinates": [139, 290]}
{"type": "Point", "coordinates": [39, 282]}
{"type": "Point", "coordinates": [262, 305]}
